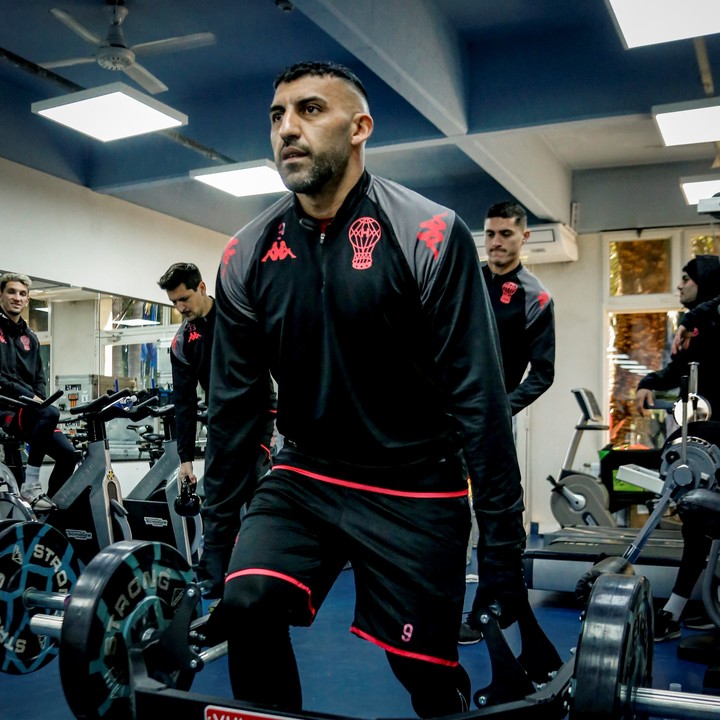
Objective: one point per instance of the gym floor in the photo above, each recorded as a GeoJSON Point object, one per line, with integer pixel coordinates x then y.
{"type": "Point", "coordinates": [344, 675]}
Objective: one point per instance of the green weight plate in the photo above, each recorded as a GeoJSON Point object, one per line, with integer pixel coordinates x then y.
{"type": "Point", "coordinates": [32, 555]}
{"type": "Point", "coordinates": [128, 592]}
{"type": "Point", "coordinates": [615, 649]}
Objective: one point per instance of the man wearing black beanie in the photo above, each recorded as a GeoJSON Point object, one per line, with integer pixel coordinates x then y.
{"type": "Point", "coordinates": [700, 282]}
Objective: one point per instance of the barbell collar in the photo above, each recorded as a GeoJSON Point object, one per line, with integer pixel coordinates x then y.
{"type": "Point", "coordinates": [47, 625]}
{"type": "Point", "coordinates": [48, 600]}
{"type": "Point", "coordinates": [671, 704]}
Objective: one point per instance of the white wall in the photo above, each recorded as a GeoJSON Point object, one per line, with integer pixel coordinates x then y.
{"type": "Point", "coordinates": [578, 295]}
{"type": "Point", "coordinates": [56, 230]}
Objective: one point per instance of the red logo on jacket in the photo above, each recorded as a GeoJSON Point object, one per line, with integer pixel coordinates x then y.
{"type": "Point", "coordinates": [25, 340]}
{"type": "Point", "coordinates": [433, 233]}
{"type": "Point", "coordinates": [364, 234]}
{"type": "Point", "coordinates": [279, 249]}
{"type": "Point", "coordinates": [508, 290]}
{"type": "Point", "coordinates": [227, 254]}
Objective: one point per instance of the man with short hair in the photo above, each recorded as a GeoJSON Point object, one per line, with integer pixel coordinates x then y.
{"type": "Point", "coordinates": [525, 321]}
{"type": "Point", "coordinates": [366, 302]}
{"type": "Point", "coordinates": [190, 356]}
{"type": "Point", "coordinates": [522, 306]}
{"type": "Point", "coordinates": [22, 376]}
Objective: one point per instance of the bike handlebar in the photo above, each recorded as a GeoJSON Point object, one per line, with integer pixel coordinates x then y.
{"type": "Point", "coordinates": [25, 401]}
{"type": "Point", "coordinates": [99, 403]}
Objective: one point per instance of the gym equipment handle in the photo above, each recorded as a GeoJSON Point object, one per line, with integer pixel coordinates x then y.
{"type": "Point", "coordinates": [25, 401]}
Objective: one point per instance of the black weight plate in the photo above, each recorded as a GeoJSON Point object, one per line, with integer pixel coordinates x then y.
{"type": "Point", "coordinates": [32, 555]}
{"type": "Point", "coordinates": [127, 592]}
{"type": "Point", "coordinates": [615, 648]}
{"type": "Point", "coordinates": [7, 522]}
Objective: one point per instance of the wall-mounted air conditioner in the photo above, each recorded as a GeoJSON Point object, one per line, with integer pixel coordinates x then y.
{"type": "Point", "coordinates": [550, 243]}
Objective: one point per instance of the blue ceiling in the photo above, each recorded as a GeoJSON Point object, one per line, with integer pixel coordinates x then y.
{"type": "Point", "coordinates": [444, 77]}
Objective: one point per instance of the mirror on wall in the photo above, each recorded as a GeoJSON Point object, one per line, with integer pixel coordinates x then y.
{"type": "Point", "coordinates": [92, 343]}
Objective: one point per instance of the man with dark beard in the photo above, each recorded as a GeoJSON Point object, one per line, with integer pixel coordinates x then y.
{"type": "Point", "coordinates": [366, 302]}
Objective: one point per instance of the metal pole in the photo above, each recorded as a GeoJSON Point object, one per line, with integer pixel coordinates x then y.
{"type": "Point", "coordinates": [666, 703]}
{"type": "Point", "coordinates": [46, 600]}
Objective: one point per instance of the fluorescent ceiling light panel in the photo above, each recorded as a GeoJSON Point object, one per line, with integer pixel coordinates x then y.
{"type": "Point", "coordinates": [690, 122]}
{"type": "Point", "coordinates": [647, 22]}
{"type": "Point", "coordinates": [259, 177]}
{"type": "Point", "coordinates": [700, 187]}
{"type": "Point", "coordinates": [110, 112]}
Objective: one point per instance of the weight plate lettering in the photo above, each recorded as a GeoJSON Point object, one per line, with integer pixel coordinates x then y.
{"type": "Point", "coordinates": [615, 648]}
{"type": "Point", "coordinates": [32, 555]}
{"type": "Point", "coordinates": [129, 592]}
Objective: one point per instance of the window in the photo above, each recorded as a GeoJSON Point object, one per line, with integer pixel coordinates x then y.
{"type": "Point", "coordinates": [642, 309]}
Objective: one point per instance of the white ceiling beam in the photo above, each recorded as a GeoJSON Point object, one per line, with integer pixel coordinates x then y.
{"type": "Point", "coordinates": [426, 67]}
{"type": "Point", "coordinates": [526, 167]}
{"type": "Point", "coordinates": [407, 43]}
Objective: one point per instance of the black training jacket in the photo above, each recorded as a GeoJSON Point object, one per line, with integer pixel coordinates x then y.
{"type": "Point", "coordinates": [526, 327]}
{"type": "Point", "coordinates": [21, 369]}
{"type": "Point", "coordinates": [379, 334]}
{"type": "Point", "coordinates": [190, 359]}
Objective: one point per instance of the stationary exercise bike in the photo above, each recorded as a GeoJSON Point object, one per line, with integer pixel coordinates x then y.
{"type": "Point", "coordinates": [12, 472]}
{"type": "Point", "coordinates": [90, 511]}
{"type": "Point", "coordinates": [579, 498]}
{"type": "Point", "coordinates": [161, 507]}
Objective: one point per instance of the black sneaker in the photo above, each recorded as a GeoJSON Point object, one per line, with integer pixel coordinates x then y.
{"type": "Point", "coordinates": [700, 622]}
{"type": "Point", "coordinates": [665, 627]}
{"type": "Point", "coordinates": [469, 635]}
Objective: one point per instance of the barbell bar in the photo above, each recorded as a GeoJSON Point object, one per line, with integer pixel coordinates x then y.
{"type": "Point", "coordinates": [138, 594]}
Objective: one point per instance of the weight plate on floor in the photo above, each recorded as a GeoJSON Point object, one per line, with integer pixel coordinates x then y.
{"type": "Point", "coordinates": [32, 555]}
{"type": "Point", "coordinates": [129, 592]}
{"type": "Point", "coordinates": [615, 648]}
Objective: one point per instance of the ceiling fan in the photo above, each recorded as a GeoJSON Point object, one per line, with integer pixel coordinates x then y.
{"type": "Point", "coordinates": [113, 53]}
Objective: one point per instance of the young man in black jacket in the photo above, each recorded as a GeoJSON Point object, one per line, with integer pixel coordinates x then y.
{"type": "Point", "coordinates": [22, 375]}
{"type": "Point", "coordinates": [523, 311]}
{"type": "Point", "coordinates": [366, 302]}
{"type": "Point", "coordinates": [190, 355]}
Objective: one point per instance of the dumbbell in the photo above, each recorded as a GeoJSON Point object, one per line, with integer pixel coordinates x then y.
{"type": "Point", "coordinates": [130, 595]}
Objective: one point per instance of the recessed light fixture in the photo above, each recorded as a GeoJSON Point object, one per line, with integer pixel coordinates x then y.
{"type": "Point", "coordinates": [686, 123]}
{"type": "Point", "coordinates": [647, 22]}
{"type": "Point", "coordinates": [700, 187]}
{"type": "Point", "coordinates": [259, 177]}
{"type": "Point", "coordinates": [110, 112]}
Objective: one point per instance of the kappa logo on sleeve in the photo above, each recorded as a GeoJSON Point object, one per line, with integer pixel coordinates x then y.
{"type": "Point", "coordinates": [433, 233]}
{"type": "Point", "coordinates": [227, 254]}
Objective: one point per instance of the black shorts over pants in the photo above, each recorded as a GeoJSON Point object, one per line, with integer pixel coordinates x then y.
{"type": "Point", "coordinates": [407, 549]}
